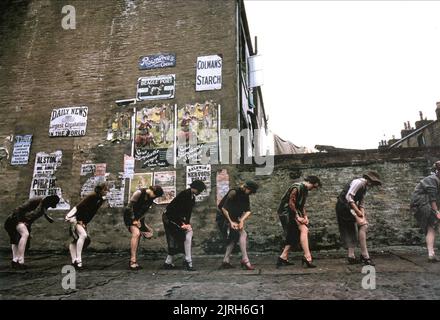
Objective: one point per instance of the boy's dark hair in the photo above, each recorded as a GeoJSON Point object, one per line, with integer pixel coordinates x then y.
{"type": "Point", "coordinates": [313, 180]}
{"type": "Point", "coordinates": [158, 191]}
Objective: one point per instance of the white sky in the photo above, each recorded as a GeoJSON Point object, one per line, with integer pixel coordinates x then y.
{"type": "Point", "coordinates": [347, 73]}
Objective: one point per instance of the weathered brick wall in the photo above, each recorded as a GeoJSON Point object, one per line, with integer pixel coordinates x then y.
{"type": "Point", "coordinates": [43, 66]}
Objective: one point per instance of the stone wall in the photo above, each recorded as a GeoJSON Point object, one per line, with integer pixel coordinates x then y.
{"type": "Point", "coordinates": [387, 207]}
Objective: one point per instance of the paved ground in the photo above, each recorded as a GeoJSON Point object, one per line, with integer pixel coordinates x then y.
{"type": "Point", "coordinates": [401, 273]}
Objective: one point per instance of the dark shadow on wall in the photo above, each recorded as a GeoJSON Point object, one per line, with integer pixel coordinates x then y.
{"type": "Point", "coordinates": [12, 18]}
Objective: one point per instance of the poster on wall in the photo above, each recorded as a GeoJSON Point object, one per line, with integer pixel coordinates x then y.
{"type": "Point", "coordinates": [222, 182]}
{"type": "Point", "coordinates": [20, 152]}
{"type": "Point", "coordinates": [140, 180]}
{"type": "Point", "coordinates": [115, 195]}
{"type": "Point", "coordinates": [209, 73]}
{"type": "Point", "coordinates": [119, 127]}
{"type": "Point", "coordinates": [197, 132]}
{"type": "Point", "coordinates": [157, 61]}
{"type": "Point", "coordinates": [68, 122]}
{"type": "Point", "coordinates": [100, 169]}
{"type": "Point", "coordinates": [88, 168]}
{"type": "Point", "coordinates": [128, 166]}
{"type": "Point", "coordinates": [154, 135]}
{"type": "Point", "coordinates": [167, 180]}
{"type": "Point", "coordinates": [156, 87]}
{"type": "Point", "coordinates": [203, 173]}
{"type": "Point", "coordinates": [89, 186]}
{"type": "Point", "coordinates": [44, 180]}
{"type": "Point", "coordinates": [96, 169]}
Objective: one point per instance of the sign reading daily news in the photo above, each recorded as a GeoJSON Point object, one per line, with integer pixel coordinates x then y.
{"type": "Point", "coordinates": [68, 122]}
{"type": "Point", "coordinates": [209, 73]}
{"type": "Point", "coordinates": [22, 145]}
{"type": "Point", "coordinates": [157, 61]}
{"type": "Point", "coordinates": [155, 88]}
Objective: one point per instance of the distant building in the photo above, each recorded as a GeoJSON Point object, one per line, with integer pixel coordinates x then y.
{"type": "Point", "coordinates": [425, 134]}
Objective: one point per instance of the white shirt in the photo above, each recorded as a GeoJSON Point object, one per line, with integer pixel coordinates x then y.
{"type": "Point", "coordinates": [355, 185]}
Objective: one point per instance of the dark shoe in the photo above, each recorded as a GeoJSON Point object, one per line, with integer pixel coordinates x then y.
{"type": "Point", "coordinates": [188, 266]}
{"type": "Point", "coordinates": [78, 266]}
{"type": "Point", "coordinates": [14, 264]}
{"type": "Point", "coordinates": [367, 261]}
{"type": "Point", "coordinates": [168, 266]}
{"type": "Point", "coordinates": [226, 265]}
{"type": "Point", "coordinates": [282, 262]}
{"type": "Point", "coordinates": [21, 266]}
{"type": "Point", "coordinates": [352, 260]}
{"type": "Point", "coordinates": [134, 266]}
{"type": "Point", "coordinates": [246, 265]}
{"type": "Point", "coordinates": [308, 263]}
{"type": "Point", "coordinates": [433, 259]}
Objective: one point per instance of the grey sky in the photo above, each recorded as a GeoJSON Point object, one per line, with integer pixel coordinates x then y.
{"type": "Point", "coordinates": [355, 69]}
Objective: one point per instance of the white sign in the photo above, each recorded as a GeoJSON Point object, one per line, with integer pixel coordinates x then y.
{"type": "Point", "coordinates": [200, 172]}
{"type": "Point", "coordinates": [68, 122]}
{"type": "Point", "coordinates": [255, 71]}
{"type": "Point", "coordinates": [156, 87]}
{"type": "Point", "coordinates": [44, 181]}
{"type": "Point", "coordinates": [128, 166]}
{"type": "Point", "coordinates": [209, 73]}
{"type": "Point", "coordinates": [20, 154]}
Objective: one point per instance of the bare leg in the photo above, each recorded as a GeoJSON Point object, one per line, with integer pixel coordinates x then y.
{"type": "Point", "coordinates": [229, 249]}
{"type": "Point", "coordinates": [24, 233]}
{"type": "Point", "coordinates": [134, 243]}
{"type": "Point", "coordinates": [285, 254]}
{"type": "Point", "coordinates": [243, 246]}
{"type": "Point", "coordinates": [80, 243]}
{"type": "Point", "coordinates": [304, 240]}
{"type": "Point", "coordinates": [351, 252]}
{"type": "Point", "coordinates": [72, 249]}
{"type": "Point", "coordinates": [14, 252]}
{"type": "Point", "coordinates": [363, 240]}
{"type": "Point", "coordinates": [187, 245]}
{"type": "Point", "coordinates": [430, 239]}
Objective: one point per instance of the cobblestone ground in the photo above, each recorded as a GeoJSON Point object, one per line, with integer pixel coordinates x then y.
{"type": "Point", "coordinates": [401, 273]}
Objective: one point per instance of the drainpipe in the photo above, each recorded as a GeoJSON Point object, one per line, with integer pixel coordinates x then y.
{"type": "Point", "coordinates": [238, 30]}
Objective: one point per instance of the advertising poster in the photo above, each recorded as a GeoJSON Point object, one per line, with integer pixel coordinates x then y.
{"type": "Point", "coordinates": [44, 179]}
{"type": "Point", "coordinates": [68, 122]}
{"type": "Point", "coordinates": [119, 127]}
{"type": "Point", "coordinates": [197, 132]}
{"type": "Point", "coordinates": [22, 146]}
{"type": "Point", "coordinates": [115, 196]}
{"type": "Point", "coordinates": [222, 181]}
{"type": "Point", "coordinates": [157, 61]}
{"type": "Point", "coordinates": [203, 173]}
{"type": "Point", "coordinates": [141, 180]}
{"type": "Point", "coordinates": [96, 169]}
{"type": "Point", "coordinates": [156, 88]}
{"type": "Point", "coordinates": [167, 180]}
{"type": "Point", "coordinates": [154, 135]}
{"type": "Point", "coordinates": [209, 73]}
{"type": "Point", "coordinates": [89, 186]}
{"type": "Point", "coordinates": [128, 166]}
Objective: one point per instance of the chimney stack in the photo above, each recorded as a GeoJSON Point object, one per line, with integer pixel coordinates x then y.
{"type": "Point", "coordinates": [437, 111]}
